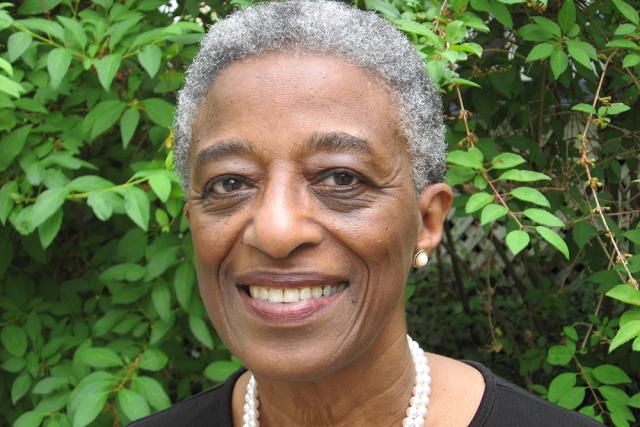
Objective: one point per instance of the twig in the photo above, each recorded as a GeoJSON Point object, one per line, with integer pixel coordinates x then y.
{"type": "Point", "coordinates": [593, 185]}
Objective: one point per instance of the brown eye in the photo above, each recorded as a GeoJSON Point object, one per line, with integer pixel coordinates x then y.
{"type": "Point", "coordinates": [226, 185]}
{"type": "Point", "coordinates": [340, 179]}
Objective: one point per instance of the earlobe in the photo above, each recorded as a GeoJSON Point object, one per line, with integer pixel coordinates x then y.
{"type": "Point", "coordinates": [433, 203]}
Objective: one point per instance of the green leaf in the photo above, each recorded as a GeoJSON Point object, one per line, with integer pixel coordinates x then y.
{"type": "Point", "coordinates": [128, 124]}
{"type": "Point", "coordinates": [58, 63]}
{"type": "Point", "coordinates": [492, 212]}
{"type": "Point", "coordinates": [559, 62]}
{"type": "Point", "coordinates": [132, 404]}
{"type": "Point", "coordinates": [501, 13]}
{"type": "Point", "coordinates": [47, 203]}
{"type": "Point", "coordinates": [585, 108]}
{"type": "Point", "coordinates": [86, 183]}
{"type": "Point", "coordinates": [626, 294]}
{"type": "Point", "coordinates": [78, 35]}
{"type": "Point", "coordinates": [578, 52]}
{"type": "Point", "coordinates": [583, 232]}
{"type": "Point", "coordinates": [153, 360]}
{"type": "Point", "coordinates": [159, 111]}
{"type": "Point", "coordinates": [517, 240]}
{"type": "Point", "coordinates": [627, 11]}
{"type": "Point", "coordinates": [383, 7]}
{"type": "Point", "coordinates": [136, 206]}
{"type": "Point", "coordinates": [49, 384]}
{"type": "Point", "coordinates": [507, 160]}
{"type": "Point", "coordinates": [127, 271]}
{"type": "Point", "coordinates": [609, 374]}
{"type": "Point", "coordinates": [626, 333]}
{"type": "Point", "coordinates": [559, 355]}
{"type": "Point", "coordinates": [107, 68]}
{"type": "Point", "coordinates": [543, 217]}
{"type": "Point", "coordinates": [477, 201]}
{"type": "Point", "coordinates": [43, 26]}
{"type": "Point", "coordinates": [631, 60]}
{"type": "Point", "coordinates": [152, 391]}
{"type": "Point", "coordinates": [417, 28]}
{"type": "Point", "coordinates": [48, 230]}
{"type": "Point", "coordinates": [10, 87]}
{"type": "Point", "coordinates": [220, 370]}
{"type": "Point", "coordinates": [455, 31]}
{"type": "Point", "coordinates": [184, 282]}
{"type": "Point", "coordinates": [617, 108]}
{"type": "Point", "coordinates": [30, 419]}
{"type": "Point", "coordinates": [554, 239]}
{"type": "Point", "coordinates": [541, 51]}
{"type": "Point", "coordinates": [572, 398]}
{"type": "Point", "coordinates": [470, 159]}
{"type": "Point", "coordinates": [633, 235]}
{"type": "Point", "coordinates": [89, 405]}
{"type": "Point", "coordinates": [561, 385]}
{"type": "Point", "coordinates": [519, 175]}
{"type": "Point", "coordinates": [534, 33]}
{"type": "Point", "coordinates": [14, 364]}
{"type": "Point", "coordinates": [161, 298]}
{"type": "Point", "coordinates": [200, 331]}
{"type": "Point", "coordinates": [531, 195]}
{"type": "Point", "coordinates": [567, 16]}
{"type": "Point", "coordinates": [161, 261]}
{"type": "Point", "coordinates": [12, 144]}
{"type": "Point", "coordinates": [98, 357]}
{"type": "Point", "coordinates": [6, 66]}
{"type": "Point", "coordinates": [458, 175]}
{"type": "Point", "coordinates": [548, 25]}
{"type": "Point", "coordinates": [634, 401]}
{"type": "Point", "coordinates": [17, 44]}
{"type": "Point", "coordinates": [149, 58]}
{"type": "Point", "coordinates": [101, 204]}
{"type": "Point", "coordinates": [161, 185]}
{"type": "Point", "coordinates": [14, 340]}
{"type": "Point", "coordinates": [622, 44]}
{"type": "Point", "coordinates": [102, 117]}
{"type": "Point", "coordinates": [20, 387]}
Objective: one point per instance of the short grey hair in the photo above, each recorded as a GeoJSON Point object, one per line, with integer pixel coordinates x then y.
{"type": "Point", "coordinates": [326, 27]}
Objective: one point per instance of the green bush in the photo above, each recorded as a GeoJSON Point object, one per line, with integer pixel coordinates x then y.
{"type": "Point", "coordinates": [101, 322]}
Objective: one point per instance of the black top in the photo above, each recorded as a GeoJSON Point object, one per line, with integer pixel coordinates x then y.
{"type": "Point", "coordinates": [503, 404]}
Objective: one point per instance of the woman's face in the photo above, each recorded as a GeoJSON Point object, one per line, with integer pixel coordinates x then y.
{"type": "Point", "coordinates": [299, 180]}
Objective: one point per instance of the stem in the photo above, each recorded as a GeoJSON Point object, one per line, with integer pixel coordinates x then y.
{"type": "Point", "coordinates": [585, 162]}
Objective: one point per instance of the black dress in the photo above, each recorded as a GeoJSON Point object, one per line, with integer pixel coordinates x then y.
{"type": "Point", "coordinates": [503, 404]}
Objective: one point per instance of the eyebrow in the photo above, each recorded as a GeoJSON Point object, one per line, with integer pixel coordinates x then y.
{"type": "Point", "coordinates": [339, 142]}
{"type": "Point", "coordinates": [223, 149]}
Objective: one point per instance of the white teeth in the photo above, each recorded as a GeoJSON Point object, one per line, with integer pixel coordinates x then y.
{"type": "Point", "coordinates": [276, 295]}
{"type": "Point", "coordinates": [285, 295]}
{"type": "Point", "coordinates": [291, 295]}
{"type": "Point", "coordinates": [305, 294]}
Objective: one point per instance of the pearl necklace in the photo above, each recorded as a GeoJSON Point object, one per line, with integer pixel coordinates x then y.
{"type": "Point", "coordinates": [415, 414]}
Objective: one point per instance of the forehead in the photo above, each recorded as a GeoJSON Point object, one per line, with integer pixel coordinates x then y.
{"type": "Point", "coordinates": [288, 96]}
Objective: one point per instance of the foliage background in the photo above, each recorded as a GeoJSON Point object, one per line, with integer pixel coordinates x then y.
{"type": "Point", "coordinates": [100, 320]}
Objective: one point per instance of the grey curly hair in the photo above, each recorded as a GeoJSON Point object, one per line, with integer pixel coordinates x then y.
{"type": "Point", "coordinates": [327, 27]}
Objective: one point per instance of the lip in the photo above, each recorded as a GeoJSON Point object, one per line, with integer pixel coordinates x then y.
{"type": "Point", "coordinates": [287, 312]}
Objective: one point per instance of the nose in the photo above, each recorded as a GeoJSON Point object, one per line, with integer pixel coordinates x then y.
{"type": "Point", "coordinates": [282, 221]}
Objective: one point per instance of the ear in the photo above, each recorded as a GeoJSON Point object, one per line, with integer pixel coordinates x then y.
{"type": "Point", "coordinates": [434, 203]}
{"type": "Point", "coordinates": [186, 211]}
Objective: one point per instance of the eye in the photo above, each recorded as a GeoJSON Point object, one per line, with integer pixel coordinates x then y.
{"type": "Point", "coordinates": [225, 185]}
{"type": "Point", "coordinates": [340, 178]}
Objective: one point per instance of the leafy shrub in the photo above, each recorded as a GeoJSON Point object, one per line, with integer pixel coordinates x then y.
{"type": "Point", "coordinates": [101, 323]}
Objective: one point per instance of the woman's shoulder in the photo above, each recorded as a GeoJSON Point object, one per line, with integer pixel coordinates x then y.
{"type": "Point", "coordinates": [505, 404]}
{"type": "Point", "coordinates": [211, 408]}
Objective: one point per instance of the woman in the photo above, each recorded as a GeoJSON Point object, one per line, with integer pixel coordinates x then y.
{"type": "Point", "coordinates": [310, 144]}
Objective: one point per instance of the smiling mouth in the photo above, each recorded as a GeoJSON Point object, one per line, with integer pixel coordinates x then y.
{"type": "Point", "coordinates": [290, 295]}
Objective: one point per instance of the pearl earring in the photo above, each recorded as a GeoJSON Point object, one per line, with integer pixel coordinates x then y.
{"type": "Point", "coordinates": [420, 259]}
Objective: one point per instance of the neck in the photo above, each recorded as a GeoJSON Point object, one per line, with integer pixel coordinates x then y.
{"type": "Point", "coordinates": [373, 390]}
